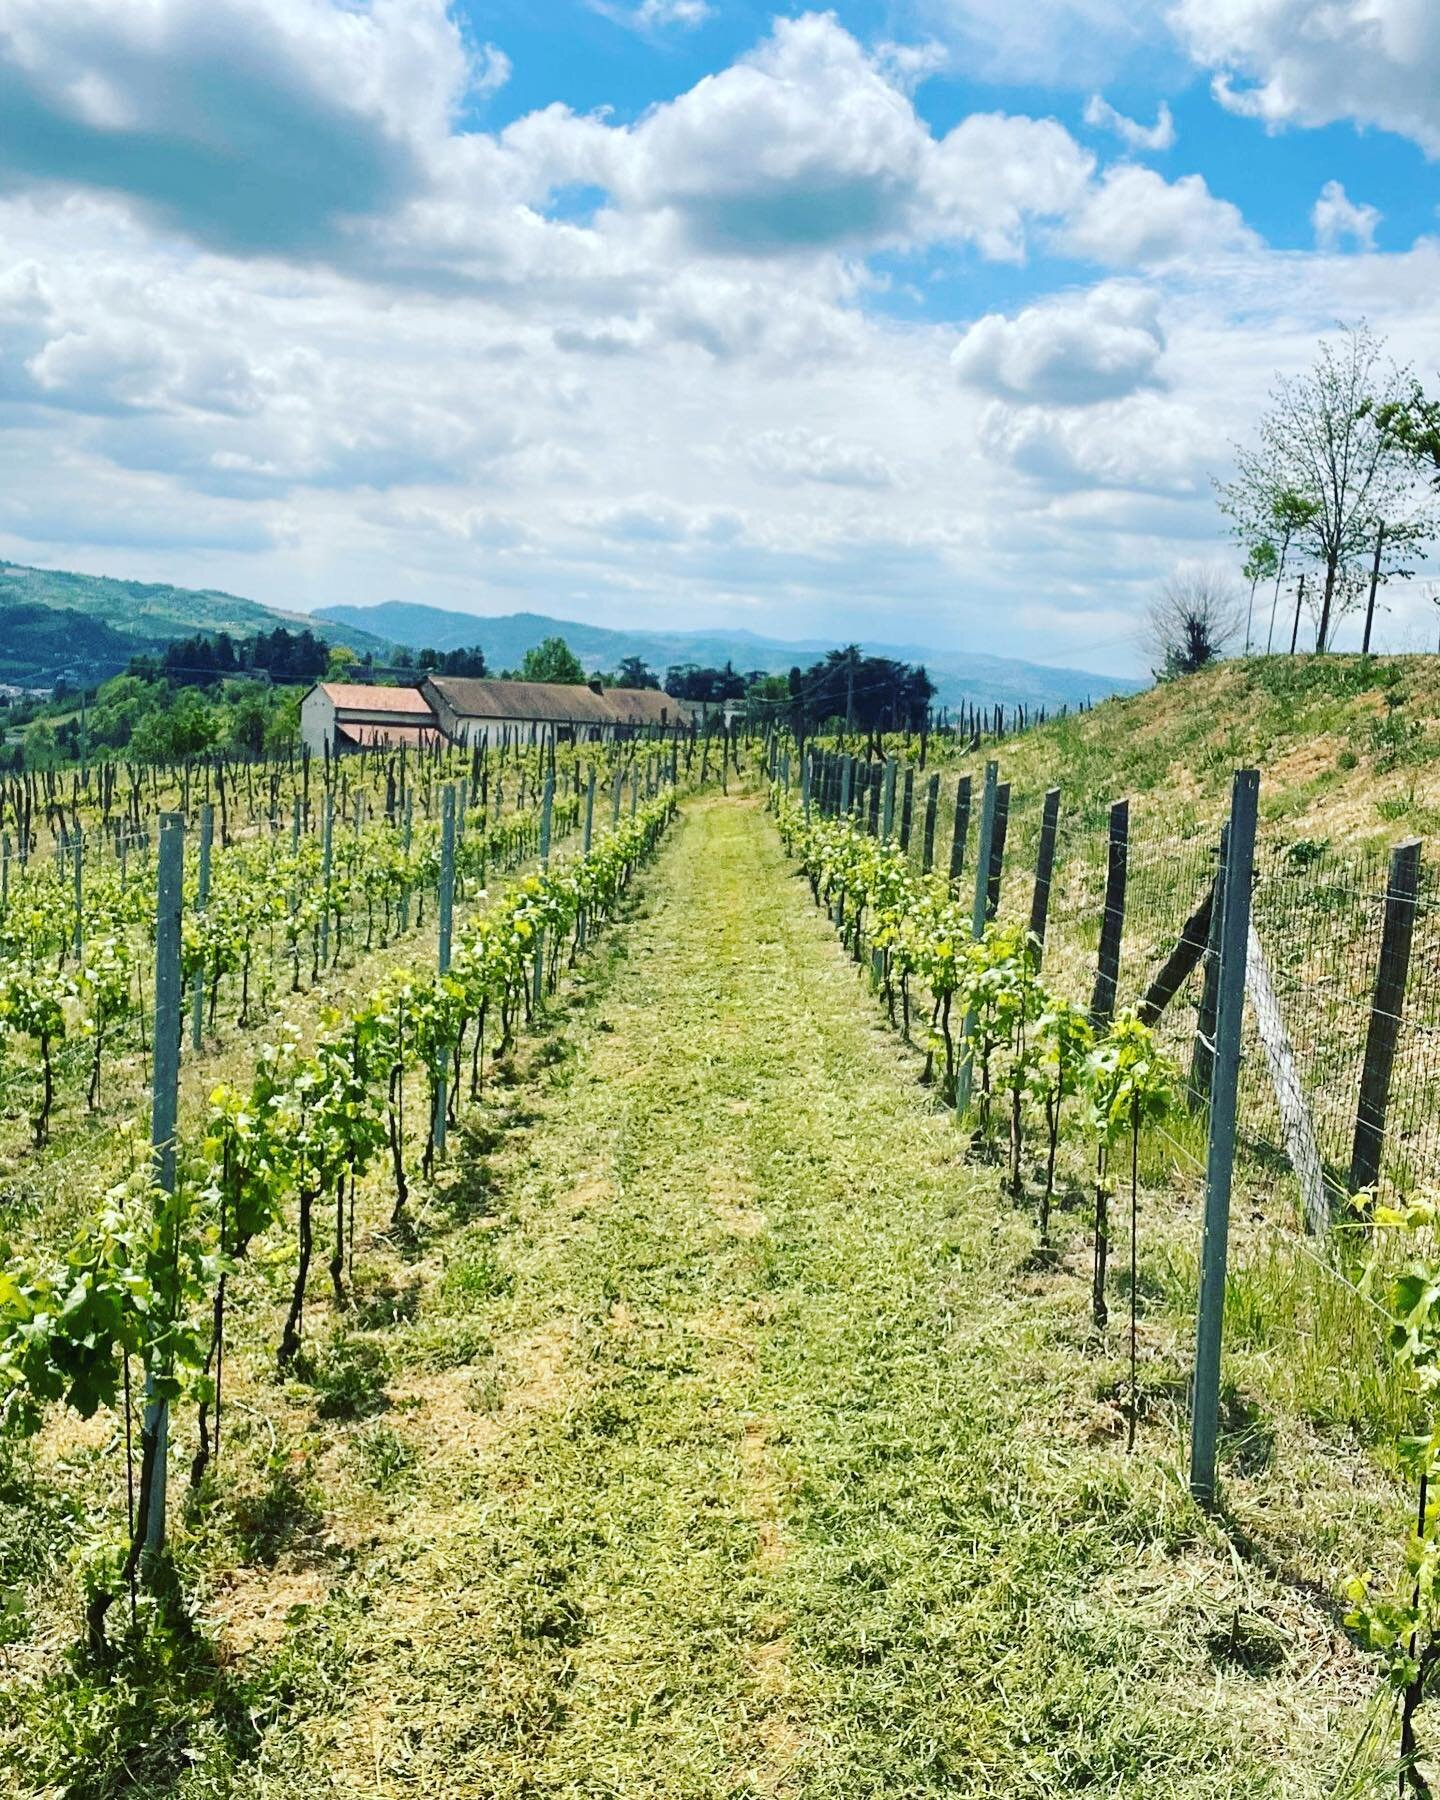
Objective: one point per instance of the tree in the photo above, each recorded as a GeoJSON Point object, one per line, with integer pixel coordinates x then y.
{"type": "Point", "coordinates": [1413, 426]}
{"type": "Point", "coordinates": [1262, 562]}
{"type": "Point", "coordinates": [552, 660]}
{"type": "Point", "coordinates": [469, 662]}
{"type": "Point", "coordinates": [634, 672]}
{"type": "Point", "coordinates": [1324, 449]}
{"type": "Point", "coordinates": [1190, 622]}
{"type": "Point", "coordinates": [341, 664]}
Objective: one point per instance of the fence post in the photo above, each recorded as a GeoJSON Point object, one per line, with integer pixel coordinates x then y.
{"type": "Point", "coordinates": [1112, 926]}
{"type": "Point", "coordinates": [998, 832]}
{"type": "Point", "coordinates": [202, 898]}
{"type": "Point", "coordinates": [907, 807]}
{"type": "Point", "coordinates": [847, 780]}
{"type": "Point", "coordinates": [615, 787]}
{"type": "Point", "coordinates": [932, 801]}
{"type": "Point", "coordinates": [1202, 1056]}
{"type": "Point", "coordinates": [1220, 1149]}
{"type": "Point", "coordinates": [446, 908]}
{"type": "Point", "coordinates": [1386, 1006]}
{"type": "Point", "coordinates": [164, 1108]}
{"type": "Point", "coordinates": [327, 843]}
{"type": "Point", "coordinates": [79, 895]}
{"type": "Point", "coordinates": [589, 834]}
{"type": "Point", "coordinates": [406, 830]}
{"type": "Point", "coordinates": [547, 802]}
{"type": "Point", "coordinates": [961, 830]}
{"type": "Point", "coordinates": [965, 1072]}
{"type": "Point", "coordinates": [805, 784]}
{"type": "Point", "coordinates": [1044, 870]}
{"type": "Point", "coordinates": [888, 821]}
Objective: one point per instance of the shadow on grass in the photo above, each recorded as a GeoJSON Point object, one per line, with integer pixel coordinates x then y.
{"type": "Point", "coordinates": [163, 1711]}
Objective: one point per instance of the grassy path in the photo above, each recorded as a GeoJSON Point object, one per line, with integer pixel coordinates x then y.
{"type": "Point", "coordinates": [761, 1464]}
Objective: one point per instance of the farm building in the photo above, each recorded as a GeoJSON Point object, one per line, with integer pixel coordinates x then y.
{"type": "Point", "coordinates": [476, 712]}
{"type": "Point", "coordinates": [347, 716]}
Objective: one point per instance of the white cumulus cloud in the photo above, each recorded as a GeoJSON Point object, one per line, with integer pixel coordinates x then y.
{"type": "Point", "coordinates": [1293, 62]}
{"type": "Point", "coordinates": [1102, 116]}
{"type": "Point", "coordinates": [1075, 350]}
{"type": "Point", "coordinates": [1339, 220]}
{"type": "Point", "coordinates": [1134, 217]}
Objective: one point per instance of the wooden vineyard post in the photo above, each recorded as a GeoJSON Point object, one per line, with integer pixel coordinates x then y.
{"type": "Point", "coordinates": [964, 1074]}
{"type": "Point", "coordinates": [1386, 1006]}
{"type": "Point", "coordinates": [998, 833]}
{"type": "Point", "coordinates": [1202, 1056]}
{"type": "Point", "coordinates": [164, 1110]}
{"type": "Point", "coordinates": [1044, 872]}
{"type": "Point", "coordinates": [932, 801]}
{"type": "Point", "coordinates": [1112, 926]}
{"type": "Point", "coordinates": [1234, 908]}
{"type": "Point", "coordinates": [547, 802]}
{"type": "Point", "coordinates": [961, 829]}
{"type": "Point", "coordinates": [615, 784]}
{"type": "Point", "coordinates": [446, 910]}
{"type": "Point", "coordinates": [79, 877]}
{"type": "Point", "coordinates": [407, 827]}
{"type": "Point", "coordinates": [907, 807]}
{"type": "Point", "coordinates": [588, 836]}
{"type": "Point", "coordinates": [202, 900]}
{"type": "Point", "coordinates": [327, 858]}
{"type": "Point", "coordinates": [847, 777]}
{"type": "Point", "coordinates": [888, 804]}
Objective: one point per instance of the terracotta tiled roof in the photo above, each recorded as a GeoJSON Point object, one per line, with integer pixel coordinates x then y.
{"type": "Point", "coordinates": [554, 702]}
{"type": "Point", "coordinates": [358, 696]}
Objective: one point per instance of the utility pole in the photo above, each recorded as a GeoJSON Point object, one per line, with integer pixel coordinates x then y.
{"type": "Point", "coordinates": [1374, 583]}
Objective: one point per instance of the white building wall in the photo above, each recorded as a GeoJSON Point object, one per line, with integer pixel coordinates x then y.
{"type": "Point", "coordinates": [317, 722]}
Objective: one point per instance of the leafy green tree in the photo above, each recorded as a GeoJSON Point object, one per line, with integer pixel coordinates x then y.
{"type": "Point", "coordinates": [40, 744]}
{"type": "Point", "coordinates": [1328, 448]}
{"type": "Point", "coordinates": [552, 660]}
{"type": "Point", "coordinates": [1413, 426]}
{"type": "Point", "coordinates": [634, 672]}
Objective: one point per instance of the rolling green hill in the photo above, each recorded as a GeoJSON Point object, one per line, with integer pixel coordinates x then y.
{"type": "Point", "coordinates": [87, 627]}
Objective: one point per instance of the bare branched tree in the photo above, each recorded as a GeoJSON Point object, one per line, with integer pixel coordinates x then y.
{"type": "Point", "coordinates": [1192, 621]}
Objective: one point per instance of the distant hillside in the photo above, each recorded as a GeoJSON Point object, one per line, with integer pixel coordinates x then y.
{"type": "Point", "coordinates": [36, 637]}
{"type": "Point", "coordinates": [87, 627]}
{"type": "Point", "coordinates": [959, 676]}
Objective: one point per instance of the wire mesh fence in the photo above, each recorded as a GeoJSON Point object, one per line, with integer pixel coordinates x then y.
{"type": "Point", "coordinates": [1340, 1077]}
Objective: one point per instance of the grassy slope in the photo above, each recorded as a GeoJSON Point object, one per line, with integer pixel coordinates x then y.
{"type": "Point", "coordinates": [1347, 747]}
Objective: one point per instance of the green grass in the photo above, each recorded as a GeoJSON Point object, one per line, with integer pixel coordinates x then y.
{"type": "Point", "coordinates": [724, 1437]}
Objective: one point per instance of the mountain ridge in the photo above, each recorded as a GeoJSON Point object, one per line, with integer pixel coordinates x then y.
{"type": "Point", "coordinates": [960, 676]}
{"type": "Point", "coordinates": [123, 618]}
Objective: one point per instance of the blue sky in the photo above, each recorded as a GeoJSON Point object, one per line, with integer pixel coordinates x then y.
{"type": "Point", "coordinates": [928, 321]}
